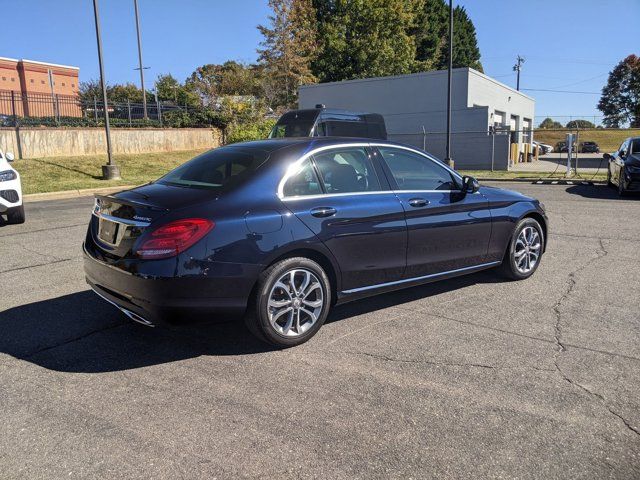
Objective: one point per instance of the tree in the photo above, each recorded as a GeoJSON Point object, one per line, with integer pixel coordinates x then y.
{"type": "Point", "coordinates": [620, 100]}
{"type": "Point", "coordinates": [431, 33]}
{"type": "Point", "coordinates": [580, 124]}
{"type": "Point", "coordinates": [231, 78]}
{"type": "Point", "coordinates": [169, 89]}
{"type": "Point", "coordinates": [549, 123]}
{"type": "Point", "coordinates": [288, 48]}
{"type": "Point", "coordinates": [364, 38]}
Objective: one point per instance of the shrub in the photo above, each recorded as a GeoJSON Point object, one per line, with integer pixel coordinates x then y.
{"type": "Point", "coordinates": [253, 130]}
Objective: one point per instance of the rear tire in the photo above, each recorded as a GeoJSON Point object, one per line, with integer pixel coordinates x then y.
{"type": "Point", "coordinates": [16, 215]}
{"type": "Point", "coordinates": [290, 303]}
{"type": "Point", "coordinates": [524, 252]}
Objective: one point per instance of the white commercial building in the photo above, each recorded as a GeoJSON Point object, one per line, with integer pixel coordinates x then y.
{"type": "Point", "coordinates": [415, 111]}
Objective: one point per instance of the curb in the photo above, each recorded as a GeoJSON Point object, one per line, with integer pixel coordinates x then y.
{"type": "Point", "coordinates": [543, 180]}
{"type": "Point", "coordinates": [85, 192]}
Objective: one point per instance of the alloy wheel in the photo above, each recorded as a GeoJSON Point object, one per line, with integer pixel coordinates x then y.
{"type": "Point", "coordinates": [527, 249]}
{"type": "Point", "coordinates": [295, 302]}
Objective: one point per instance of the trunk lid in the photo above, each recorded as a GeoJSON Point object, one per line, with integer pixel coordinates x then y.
{"type": "Point", "coordinates": [119, 220]}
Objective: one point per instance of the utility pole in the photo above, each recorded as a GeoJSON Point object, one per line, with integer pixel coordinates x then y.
{"type": "Point", "coordinates": [448, 158]}
{"type": "Point", "coordinates": [111, 170]}
{"type": "Point", "coordinates": [140, 67]}
{"type": "Point", "coordinates": [516, 68]}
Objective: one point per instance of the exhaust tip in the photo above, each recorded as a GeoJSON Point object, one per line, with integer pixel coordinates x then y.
{"type": "Point", "coordinates": [137, 318]}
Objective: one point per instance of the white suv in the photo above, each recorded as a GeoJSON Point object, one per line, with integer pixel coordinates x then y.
{"type": "Point", "coordinates": [10, 190]}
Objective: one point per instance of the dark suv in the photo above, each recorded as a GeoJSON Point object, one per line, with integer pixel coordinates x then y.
{"type": "Point", "coordinates": [328, 122]}
{"type": "Point", "coordinates": [589, 147]}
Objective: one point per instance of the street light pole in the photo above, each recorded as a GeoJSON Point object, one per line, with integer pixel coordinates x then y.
{"type": "Point", "coordinates": [111, 170]}
{"type": "Point", "coordinates": [144, 93]}
{"type": "Point", "coordinates": [448, 158]}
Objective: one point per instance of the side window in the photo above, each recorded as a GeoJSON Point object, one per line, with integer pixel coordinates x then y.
{"type": "Point", "coordinates": [416, 172]}
{"type": "Point", "coordinates": [346, 170]}
{"type": "Point", "coordinates": [303, 182]}
{"type": "Point", "coordinates": [623, 148]}
{"type": "Point", "coordinates": [635, 146]}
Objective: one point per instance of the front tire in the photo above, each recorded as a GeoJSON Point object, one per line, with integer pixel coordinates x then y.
{"type": "Point", "coordinates": [291, 301]}
{"type": "Point", "coordinates": [621, 189]}
{"type": "Point", "coordinates": [524, 252]}
{"type": "Point", "coordinates": [16, 215]}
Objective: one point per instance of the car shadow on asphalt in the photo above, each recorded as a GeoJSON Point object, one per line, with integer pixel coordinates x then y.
{"type": "Point", "coordinates": [601, 192]}
{"type": "Point", "coordinates": [80, 333]}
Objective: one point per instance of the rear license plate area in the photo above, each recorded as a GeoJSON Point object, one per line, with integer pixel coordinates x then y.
{"type": "Point", "coordinates": [108, 231]}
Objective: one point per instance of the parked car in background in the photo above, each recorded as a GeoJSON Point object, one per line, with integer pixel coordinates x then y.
{"type": "Point", "coordinates": [285, 229]}
{"type": "Point", "coordinates": [327, 122]}
{"type": "Point", "coordinates": [543, 148]}
{"type": "Point", "coordinates": [10, 190]}
{"type": "Point", "coordinates": [589, 147]}
{"type": "Point", "coordinates": [561, 147]}
{"type": "Point", "coordinates": [623, 169]}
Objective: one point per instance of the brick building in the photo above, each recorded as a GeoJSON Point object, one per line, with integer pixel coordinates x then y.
{"type": "Point", "coordinates": [32, 91]}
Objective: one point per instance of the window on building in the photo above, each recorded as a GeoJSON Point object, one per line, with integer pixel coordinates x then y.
{"type": "Point", "coordinates": [526, 130]}
{"type": "Point", "coordinates": [13, 79]}
{"type": "Point", "coordinates": [32, 80]}
{"type": "Point", "coordinates": [63, 84]}
{"type": "Point", "coordinates": [42, 82]}
{"type": "Point", "coordinates": [4, 78]}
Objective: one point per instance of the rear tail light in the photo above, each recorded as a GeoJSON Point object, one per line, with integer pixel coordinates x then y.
{"type": "Point", "coordinates": [174, 237]}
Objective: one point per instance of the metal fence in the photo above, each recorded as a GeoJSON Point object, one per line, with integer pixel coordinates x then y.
{"type": "Point", "coordinates": [42, 109]}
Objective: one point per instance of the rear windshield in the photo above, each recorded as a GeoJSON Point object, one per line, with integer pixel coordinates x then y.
{"type": "Point", "coordinates": [220, 168]}
{"type": "Point", "coordinates": [294, 124]}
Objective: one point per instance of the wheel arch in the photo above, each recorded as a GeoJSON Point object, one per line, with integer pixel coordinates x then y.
{"type": "Point", "coordinates": [321, 258]}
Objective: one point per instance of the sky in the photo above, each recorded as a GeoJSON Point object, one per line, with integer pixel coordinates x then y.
{"type": "Point", "coordinates": [567, 44]}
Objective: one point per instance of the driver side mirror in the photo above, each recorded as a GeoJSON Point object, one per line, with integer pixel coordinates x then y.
{"type": "Point", "coordinates": [470, 184]}
{"type": "Point", "coordinates": [9, 156]}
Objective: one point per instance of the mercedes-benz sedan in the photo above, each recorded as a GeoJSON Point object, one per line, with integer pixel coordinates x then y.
{"type": "Point", "coordinates": [282, 230]}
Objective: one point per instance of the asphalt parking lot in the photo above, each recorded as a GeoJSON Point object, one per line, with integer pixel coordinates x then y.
{"type": "Point", "coordinates": [473, 377]}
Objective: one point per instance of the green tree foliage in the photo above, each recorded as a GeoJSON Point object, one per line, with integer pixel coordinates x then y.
{"type": "Point", "coordinates": [288, 48]}
{"type": "Point", "coordinates": [580, 124]}
{"type": "Point", "coordinates": [620, 100]}
{"type": "Point", "coordinates": [115, 93]}
{"type": "Point", "coordinates": [364, 38]}
{"type": "Point", "coordinates": [431, 33]}
{"type": "Point", "coordinates": [211, 81]}
{"type": "Point", "coordinates": [171, 90]}
{"type": "Point", "coordinates": [549, 123]}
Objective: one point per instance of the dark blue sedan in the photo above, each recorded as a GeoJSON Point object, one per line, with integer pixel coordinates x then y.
{"type": "Point", "coordinates": [284, 229]}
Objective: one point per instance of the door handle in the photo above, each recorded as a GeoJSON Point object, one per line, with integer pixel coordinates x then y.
{"type": "Point", "coordinates": [322, 212]}
{"type": "Point", "coordinates": [418, 202]}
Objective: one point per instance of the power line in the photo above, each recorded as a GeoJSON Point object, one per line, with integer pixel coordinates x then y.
{"type": "Point", "coordinates": [560, 91]}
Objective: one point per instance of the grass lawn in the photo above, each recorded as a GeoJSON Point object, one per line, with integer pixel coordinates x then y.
{"type": "Point", "coordinates": [55, 174]}
{"type": "Point", "coordinates": [607, 139]}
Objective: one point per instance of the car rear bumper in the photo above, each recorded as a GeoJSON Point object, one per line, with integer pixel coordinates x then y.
{"type": "Point", "coordinates": [172, 300]}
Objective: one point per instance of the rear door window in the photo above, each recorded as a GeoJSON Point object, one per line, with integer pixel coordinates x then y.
{"type": "Point", "coordinates": [303, 182]}
{"type": "Point", "coordinates": [347, 170]}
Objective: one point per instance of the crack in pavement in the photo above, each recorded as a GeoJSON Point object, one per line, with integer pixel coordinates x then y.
{"type": "Point", "coordinates": [562, 347]}
{"type": "Point", "coordinates": [71, 340]}
{"type": "Point", "coordinates": [388, 358]}
{"type": "Point", "coordinates": [38, 265]}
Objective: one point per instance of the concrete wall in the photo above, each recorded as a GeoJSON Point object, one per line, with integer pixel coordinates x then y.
{"type": "Point", "coordinates": [52, 142]}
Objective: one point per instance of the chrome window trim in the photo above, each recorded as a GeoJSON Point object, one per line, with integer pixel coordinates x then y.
{"type": "Point", "coordinates": [417, 279]}
{"type": "Point", "coordinates": [378, 192]}
{"type": "Point", "coordinates": [294, 167]}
